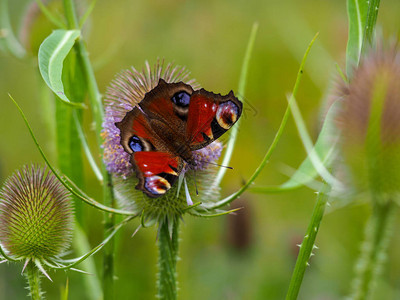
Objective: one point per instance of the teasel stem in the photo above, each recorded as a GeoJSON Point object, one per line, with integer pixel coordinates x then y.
{"type": "Point", "coordinates": [308, 244]}
{"type": "Point", "coordinates": [108, 256]}
{"type": "Point", "coordinates": [168, 243]}
{"type": "Point", "coordinates": [33, 276]}
{"type": "Point", "coordinates": [96, 106]}
{"type": "Point", "coordinates": [373, 250]}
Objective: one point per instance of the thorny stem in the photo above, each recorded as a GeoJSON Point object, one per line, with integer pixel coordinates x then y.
{"type": "Point", "coordinates": [33, 276]}
{"type": "Point", "coordinates": [168, 255]}
{"type": "Point", "coordinates": [308, 244]}
{"type": "Point", "coordinates": [373, 249]}
{"type": "Point", "coordinates": [108, 259]}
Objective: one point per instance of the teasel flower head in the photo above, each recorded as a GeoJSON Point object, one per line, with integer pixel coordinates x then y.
{"type": "Point", "coordinates": [370, 120]}
{"type": "Point", "coordinates": [36, 216]}
{"type": "Point", "coordinates": [123, 94]}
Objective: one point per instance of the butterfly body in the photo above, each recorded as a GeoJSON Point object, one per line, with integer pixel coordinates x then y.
{"type": "Point", "coordinates": [164, 129]}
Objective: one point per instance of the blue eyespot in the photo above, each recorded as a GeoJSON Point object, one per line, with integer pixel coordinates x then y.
{"type": "Point", "coordinates": [181, 99]}
{"type": "Point", "coordinates": [135, 144]}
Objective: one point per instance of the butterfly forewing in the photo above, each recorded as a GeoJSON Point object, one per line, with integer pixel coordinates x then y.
{"type": "Point", "coordinates": [210, 116]}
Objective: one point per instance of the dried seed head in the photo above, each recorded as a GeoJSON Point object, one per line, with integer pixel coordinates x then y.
{"type": "Point", "coordinates": [370, 121]}
{"type": "Point", "coordinates": [35, 215]}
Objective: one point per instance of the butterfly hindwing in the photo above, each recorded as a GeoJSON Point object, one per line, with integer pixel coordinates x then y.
{"type": "Point", "coordinates": [210, 115]}
{"type": "Point", "coordinates": [157, 171]}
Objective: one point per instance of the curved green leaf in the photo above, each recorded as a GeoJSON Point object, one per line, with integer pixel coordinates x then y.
{"type": "Point", "coordinates": [52, 53]}
{"type": "Point", "coordinates": [325, 149]}
{"type": "Point", "coordinates": [76, 261]}
{"type": "Point", "coordinates": [357, 15]}
{"type": "Point", "coordinates": [241, 91]}
{"type": "Point", "coordinates": [274, 143]}
{"type": "Point", "coordinates": [4, 254]}
{"type": "Point", "coordinates": [372, 16]}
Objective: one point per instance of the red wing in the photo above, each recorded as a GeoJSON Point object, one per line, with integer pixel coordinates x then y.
{"type": "Point", "coordinates": [210, 115]}
{"type": "Point", "coordinates": [156, 170]}
{"type": "Point", "coordinates": [154, 163]}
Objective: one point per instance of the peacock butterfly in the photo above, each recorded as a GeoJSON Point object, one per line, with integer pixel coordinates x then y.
{"type": "Point", "coordinates": [170, 122]}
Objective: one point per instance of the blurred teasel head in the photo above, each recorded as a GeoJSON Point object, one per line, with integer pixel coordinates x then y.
{"type": "Point", "coordinates": [36, 215]}
{"type": "Point", "coordinates": [370, 120]}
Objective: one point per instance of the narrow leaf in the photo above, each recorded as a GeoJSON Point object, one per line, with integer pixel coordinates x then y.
{"type": "Point", "coordinates": [3, 254]}
{"type": "Point", "coordinates": [241, 91]}
{"type": "Point", "coordinates": [197, 214]}
{"type": "Point", "coordinates": [52, 53]}
{"type": "Point", "coordinates": [274, 143]}
{"type": "Point", "coordinates": [87, 13]}
{"type": "Point", "coordinates": [315, 159]}
{"type": "Point", "coordinates": [372, 16]}
{"type": "Point", "coordinates": [64, 291]}
{"type": "Point", "coordinates": [325, 149]}
{"type": "Point", "coordinates": [191, 206]}
{"type": "Point", "coordinates": [86, 149]}
{"type": "Point", "coordinates": [93, 251]}
{"type": "Point", "coordinates": [53, 19]}
{"type": "Point", "coordinates": [357, 14]}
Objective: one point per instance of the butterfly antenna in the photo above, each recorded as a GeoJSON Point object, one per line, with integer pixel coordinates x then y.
{"type": "Point", "coordinates": [215, 164]}
{"type": "Point", "coordinates": [195, 183]}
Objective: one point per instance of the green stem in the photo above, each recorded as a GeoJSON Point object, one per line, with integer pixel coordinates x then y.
{"type": "Point", "coordinates": [373, 249]}
{"type": "Point", "coordinates": [33, 276]}
{"type": "Point", "coordinates": [96, 106]}
{"type": "Point", "coordinates": [168, 255]}
{"type": "Point", "coordinates": [308, 244]}
{"type": "Point", "coordinates": [108, 258]}
{"type": "Point", "coordinates": [93, 90]}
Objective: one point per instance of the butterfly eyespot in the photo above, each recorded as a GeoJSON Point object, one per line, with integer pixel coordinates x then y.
{"type": "Point", "coordinates": [181, 99]}
{"type": "Point", "coordinates": [157, 185]}
{"type": "Point", "coordinates": [135, 144]}
{"type": "Point", "coordinates": [227, 114]}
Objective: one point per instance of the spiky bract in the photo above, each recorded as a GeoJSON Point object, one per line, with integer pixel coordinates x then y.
{"type": "Point", "coordinates": [35, 215]}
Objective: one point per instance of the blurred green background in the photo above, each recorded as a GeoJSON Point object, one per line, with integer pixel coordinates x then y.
{"type": "Point", "coordinates": [249, 256]}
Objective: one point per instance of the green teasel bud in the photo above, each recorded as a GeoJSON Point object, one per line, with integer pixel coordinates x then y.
{"type": "Point", "coordinates": [371, 123]}
{"type": "Point", "coordinates": [36, 215]}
